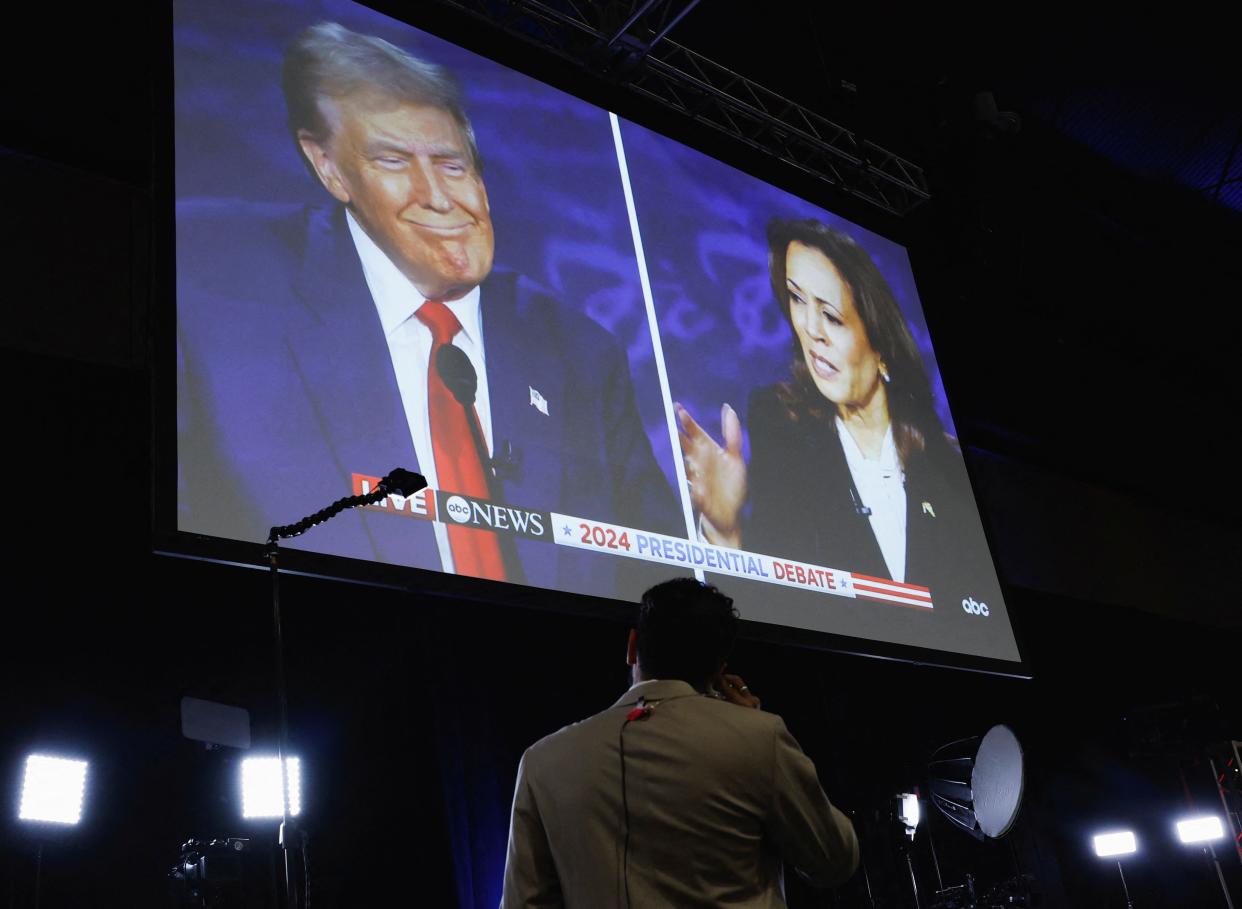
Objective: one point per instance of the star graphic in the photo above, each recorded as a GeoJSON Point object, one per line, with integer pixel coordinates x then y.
{"type": "Point", "coordinates": [566, 531]}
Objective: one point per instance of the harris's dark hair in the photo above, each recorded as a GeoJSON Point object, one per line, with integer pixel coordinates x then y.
{"type": "Point", "coordinates": [328, 61]}
{"type": "Point", "coordinates": [911, 405]}
{"type": "Point", "coordinates": [686, 630]}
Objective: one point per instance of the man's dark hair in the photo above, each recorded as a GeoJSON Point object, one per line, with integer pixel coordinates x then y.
{"type": "Point", "coordinates": [685, 631]}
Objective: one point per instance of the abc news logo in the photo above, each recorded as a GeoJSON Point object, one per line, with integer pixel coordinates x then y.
{"type": "Point", "coordinates": [971, 606]}
{"type": "Point", "coordinates": [458, 509]}
{"type": "Point", "coordinates": [490, 516]}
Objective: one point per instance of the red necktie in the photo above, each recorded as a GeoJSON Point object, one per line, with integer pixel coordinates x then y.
{"type": "Point", "coordinates": [476, 552]}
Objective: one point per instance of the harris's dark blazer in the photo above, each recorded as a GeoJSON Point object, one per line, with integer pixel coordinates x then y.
{"type": "Point", "coordinates": [804, 506]}
{"type": "Point", "coordinates": [286, 388]}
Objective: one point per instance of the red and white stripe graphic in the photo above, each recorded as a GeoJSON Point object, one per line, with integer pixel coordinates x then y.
{"type": "Point", "coordinates": [892, 591]}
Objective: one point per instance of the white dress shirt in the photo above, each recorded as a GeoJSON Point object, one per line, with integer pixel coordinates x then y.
{"type": "Point", "coordinates": [881, 485]}
{"type": "Point", "coordinates": [409, 344]}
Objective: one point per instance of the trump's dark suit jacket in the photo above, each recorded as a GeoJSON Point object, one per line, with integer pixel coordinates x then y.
{"type": "Point", "coordinates": [286, 388]}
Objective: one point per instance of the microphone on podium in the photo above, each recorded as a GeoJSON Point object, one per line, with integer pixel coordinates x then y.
{"type": "Point", "coordinates": [458, 374]}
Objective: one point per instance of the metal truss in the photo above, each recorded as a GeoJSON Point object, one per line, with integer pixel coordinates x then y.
{"type": "Point", "coordinates": [1225, 179]}
{"type": "Point", "coordinates": [626, 42]}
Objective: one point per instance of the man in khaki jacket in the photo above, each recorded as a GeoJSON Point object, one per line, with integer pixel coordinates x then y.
{"type": "Point", "coordinates": [682, 794]}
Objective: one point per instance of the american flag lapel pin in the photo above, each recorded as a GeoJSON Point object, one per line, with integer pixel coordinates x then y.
{"type": "Point", "coordinates": [538, 401]}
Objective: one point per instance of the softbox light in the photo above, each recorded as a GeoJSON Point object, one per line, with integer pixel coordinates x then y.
{"type": "Point", "coordinates": [261, 787]}
{"type": "Point", "coordinates": [52, 789]}
{"type": "Point", "coordinates": [1196, 830]}
{"type": "Point", "coordinates": [1113, 845]}
{"type": "Point", "coordinates": [977, 783]}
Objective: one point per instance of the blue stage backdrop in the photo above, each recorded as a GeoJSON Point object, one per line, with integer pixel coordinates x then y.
{"type": "Point", "coordinates": [704, 229]}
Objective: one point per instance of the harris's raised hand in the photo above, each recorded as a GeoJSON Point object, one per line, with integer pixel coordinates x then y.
{"type": "Point", "coordinates": [716, 475]}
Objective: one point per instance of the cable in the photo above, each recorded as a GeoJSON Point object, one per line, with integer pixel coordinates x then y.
{"type": "Point", "coordinates": [642, 711]}
{"type": "Point", "coordinates": [306, 871]}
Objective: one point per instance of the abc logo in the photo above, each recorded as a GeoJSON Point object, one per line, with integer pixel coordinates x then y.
{"type": "Point", "coordinates": [974, 608]}
{"type": "Point", "coordinates": [458, 509]}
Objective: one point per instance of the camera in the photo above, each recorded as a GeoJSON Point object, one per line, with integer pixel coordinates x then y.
{"type": "Point", "coordinates": [225, 873]}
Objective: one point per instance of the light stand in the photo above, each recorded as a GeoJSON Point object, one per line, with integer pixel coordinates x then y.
{"type": "Point", "coordinates": [1124, 888]}
{"type": "Point", "coordinates": [1205, 831]}
{"type": "Point", "coordinates": [931, 842]}
{"type": "Point", "coordinates": [53, 790]}
{"type": "Point", "coordinates": [976, 783]}
{"type": "Point", "coordinates": [1115, 845]}
{"type": "Point", "coordinates": [909, 814]}
{"type": "Point", "coordinates": [914, 881]}
{"type": "Point", "coordinates": [1220, 875]}
{"type": "Point", "coordinates": [399, 481]}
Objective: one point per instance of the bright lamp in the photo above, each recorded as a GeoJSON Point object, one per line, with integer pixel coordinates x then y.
{"type": "Point", "coordinates": [52, 789]}
{"type": "Point", "coordinates": [261, 796]}
{"type": "Point", "coordinates": [1200, 829]}
{"type": "Point", "coordinates": [908, 812]}
{"type": "Point", "coordinates": [1111, 845]}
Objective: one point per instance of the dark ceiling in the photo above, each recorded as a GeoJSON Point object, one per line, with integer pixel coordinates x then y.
{"type": "Point", "coordinates": [1160, 99]}
{"type": "Point", "coordinates": [1083, 268]}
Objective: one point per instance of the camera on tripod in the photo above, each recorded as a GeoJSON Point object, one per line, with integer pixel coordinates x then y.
{"type": "Point", "coordinates": [226, 873]}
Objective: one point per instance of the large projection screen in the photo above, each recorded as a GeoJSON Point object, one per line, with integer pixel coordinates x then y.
{"type": "Point", "coordinates": [615, 359]}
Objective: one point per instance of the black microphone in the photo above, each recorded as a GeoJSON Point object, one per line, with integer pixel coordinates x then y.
{"type": "Point", "coordinates": [403, 482]}
{"type": "Point", "coordinates": [458, 373]}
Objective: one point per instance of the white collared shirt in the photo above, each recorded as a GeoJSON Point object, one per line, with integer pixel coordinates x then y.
{"type": "Point", "coordinates": [881, 486]}
{"type": "Point", "coordinates": [409, 345]}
